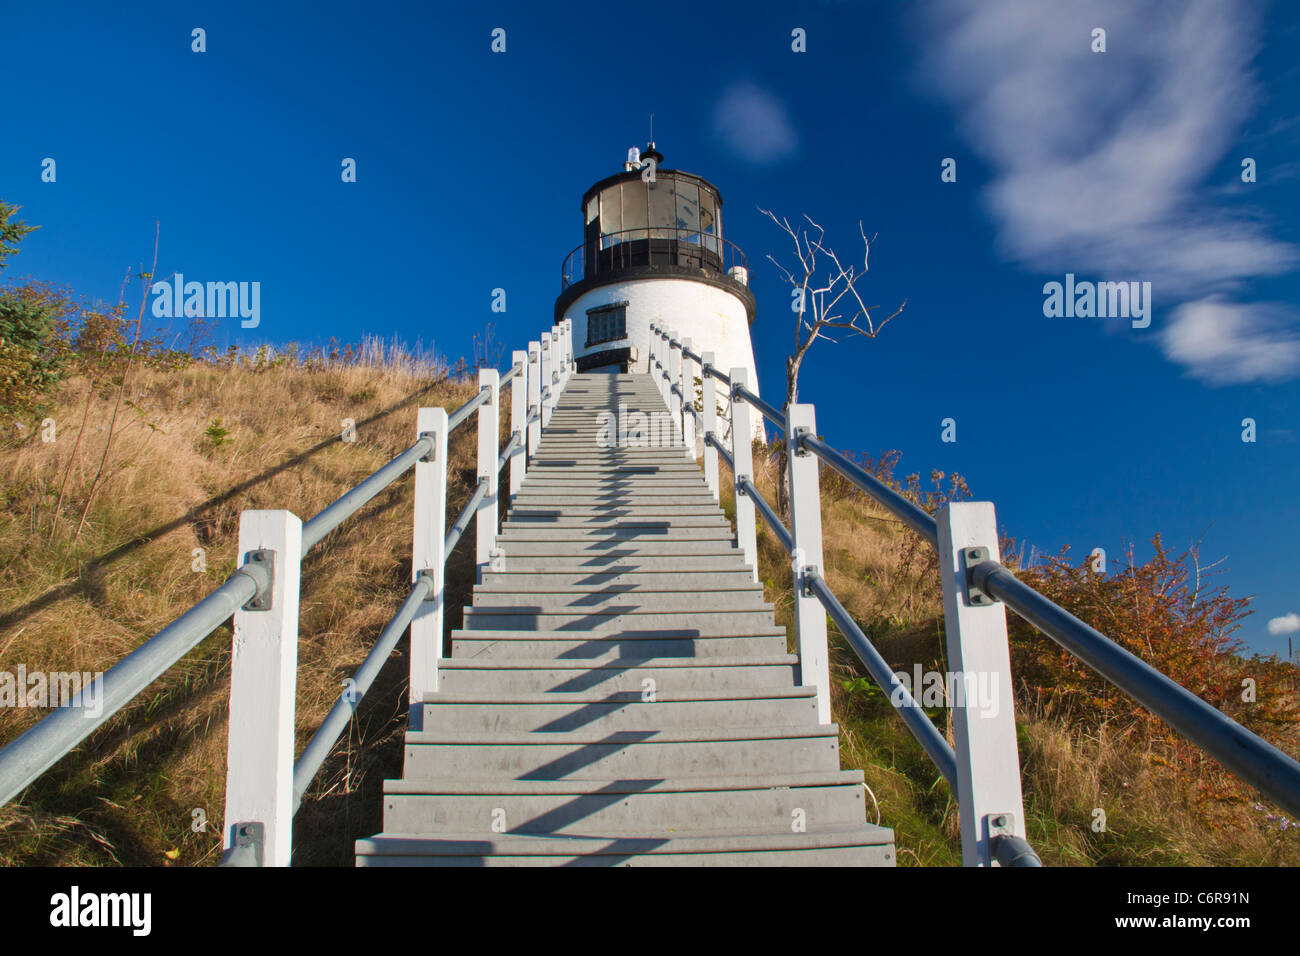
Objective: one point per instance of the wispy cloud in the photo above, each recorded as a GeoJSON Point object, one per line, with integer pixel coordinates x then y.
{"type": "Point", "coordinates": [1100, 159]}
{"type": "Point", "coordinates": [1286, 624]}
{"type": "Point", "coordinates": [754, 124]}
{"type": "Point", "coordinates": [1226, 343]}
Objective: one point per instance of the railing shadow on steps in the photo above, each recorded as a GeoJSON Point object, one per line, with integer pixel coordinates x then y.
{"type": "Point", "coordinates": [264, 783]}
{"type": "Point", "coordinates": [983, 769]}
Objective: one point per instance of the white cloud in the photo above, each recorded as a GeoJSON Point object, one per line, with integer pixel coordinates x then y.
{"type": "Point", "coordinates": [1099, 160]}
{"type": "Point", "coordinates": [754, 124]}
{"type": "Point", "coordinates": [1226, 343]}
{"type": "Point", "coordinates": [1286, 624]}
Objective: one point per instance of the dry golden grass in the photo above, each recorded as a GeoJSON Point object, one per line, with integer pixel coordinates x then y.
{"type": "Point", "coordinates": [889, 581]}
{"type": "Point", "coordinates": [81, 601]}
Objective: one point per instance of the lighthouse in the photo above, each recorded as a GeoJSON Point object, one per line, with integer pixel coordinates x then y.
{"type": "Point", "coordinates": [653, 253]}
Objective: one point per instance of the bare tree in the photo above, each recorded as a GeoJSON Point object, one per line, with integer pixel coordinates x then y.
{"type": "Point", "coordinates": [834, 306]}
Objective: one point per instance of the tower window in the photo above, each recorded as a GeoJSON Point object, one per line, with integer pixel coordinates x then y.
{"type": "Point", "coordinates": [606, 323]}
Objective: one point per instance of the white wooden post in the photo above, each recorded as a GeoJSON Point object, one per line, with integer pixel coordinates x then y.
{"type": "Point", "coordinates": [675, 378]}
{"type": "Point", "coordinates": [688, 407]}
{"type": "Point", "coordinates": [651, 347]}
{"type": "Point", "coordinates": [263, 684]}
{"type": "Point", "coordinates": [742, 456]}
{"type": "Point", "coordinates": [427, 557]}
{"type": "Point", "coordinates": [984, 724]}
{"type": "Point", "coordinates": [709, 414]}
{"type": "Point", "coordinates": [568, 350]}
{"type": "Point", "coordinates": [518, 415]}
{"type": "Point", "coordinates": [534, 396]}
{"type": "Point", "coordinates": [489, 431]}
{"type": "Point", "coordinates": [665, 361]}
{"type": "Point", "coordinates": [806, 530]}
{"type": "Point", "coordinates": [549, 348]}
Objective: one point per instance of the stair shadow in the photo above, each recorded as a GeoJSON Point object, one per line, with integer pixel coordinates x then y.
{"type": "Point", "coordinates": [583, 806]}
{"type": "Point", "coordinates": [587, 754]}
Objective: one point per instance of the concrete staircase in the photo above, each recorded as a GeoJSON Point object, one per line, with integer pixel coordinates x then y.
{"type": "Point", "coordinates": [619, 693]}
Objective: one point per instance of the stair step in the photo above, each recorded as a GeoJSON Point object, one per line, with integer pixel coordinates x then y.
{"type": "Point", "coordinates": [506, 677]}
{"type": "Point", "coordinates": [607, 714]}
{"type": "Point", "coordinates": [684, 622]}
{"type": "Point", "coordinates": [651, 753]}
{"type": "Point", "coordinates": [637, 808]}
{"type": "Point", "coordinates": [861, 845]}
{"type": "Point", "coordinates": [522, 582]}
{"type": "Point", "coordinates": [611, 599]}
{"type": "Point", "coordinates": [613, 649]}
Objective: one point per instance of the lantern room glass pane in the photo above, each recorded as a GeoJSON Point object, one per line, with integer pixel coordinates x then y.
{"type": "Point", "coordinates": [688, 212]}
{"type": "Point", "coordinates": [634, 211]}
{"type": "Point", "coordinates": [592, 209]}
{"type": "Point", "coordinates": [611, 216]}
{"type": "Point", "coordinates": [709, 220]}
{"type": "Point", "coordinates": [663, 213]}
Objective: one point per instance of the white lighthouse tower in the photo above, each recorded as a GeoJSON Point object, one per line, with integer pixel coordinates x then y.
{"type": "Point", "coordinates": [653, 253]}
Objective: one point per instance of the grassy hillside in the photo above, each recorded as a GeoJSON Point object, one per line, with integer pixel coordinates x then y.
{"type": "Point", "coordinates": [195, 446]}
{"type": "Point", "coordinates": [196, 442]}
{"type": "Point", "coordinates": [1164, 802]}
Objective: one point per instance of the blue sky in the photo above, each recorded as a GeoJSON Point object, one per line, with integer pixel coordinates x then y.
{"type": "Point", "coordinates": [1115, 166]}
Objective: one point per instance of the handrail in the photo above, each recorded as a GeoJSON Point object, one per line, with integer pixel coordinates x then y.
{"type": "Point", "coordinates": [712, 439]}
{"type": "Point", "coordinates": [922, 728]}
{"type": "Point", "coordinates": [24, 759]}
{"type": "Point", "coordinates": [336, 721]}
{"type": "Point", "coordinates": [462, 413]}
{"type": "Point", "coordinates": [769, 411]}
{"type": "Point", "coordinates": [1246, 754]}
{"type": "Point", "coordinates": [764, 509]}
{"type": "Point", "coordinates": [982, 581]}
{"type": "Point", "coordinates": [46, 742]}
{"type": "Point", "coordinates": [912, 516]}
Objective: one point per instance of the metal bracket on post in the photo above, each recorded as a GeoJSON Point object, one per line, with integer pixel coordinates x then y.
{"type": "Point", "coordinates": [975, 596]}
{"type": "Point", "coordinates": [248, 845]}
{"type": "Point", "coordinates": [740, 485]}
{"type": "Point", "coordinates": [805, 579]}
{"type": "Point", "coordinates": [796, 439]}
{"type": "Point", "coordinates": [261, 601]}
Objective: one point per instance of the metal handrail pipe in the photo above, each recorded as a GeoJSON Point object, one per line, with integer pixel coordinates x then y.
{"type": "Point", "coordinates": [463, 519]}
{"type": "Point", "coordinates": [462, 413]}
{"type": "Point", "coordinates": [507, 376]}
{"type": "Point", "coordinates": [773, 522]}
{"type": "Point", "coordinates": [725, 455]}
{"type": "Point", "coordinates": [508, 450]}
{"type": "Point", "coordinates": [322, 742]}
{"type": "Point", "coordinates": [912, 516]}
{"type": "Point", "coordinates": [318, 526]}
{"type": "Point", "coordinates": [41, 746]}
{"type": "Point", "coordinates": [922, 728]}
{"type": "Point", "coordinates": [1265, 767]}
{"type": "Point", "coordinates": [1011, 850]}
{"type": "Point", "coordinates": [720, 376]}
{"type": "Point", "coordinates": [769, 411]}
